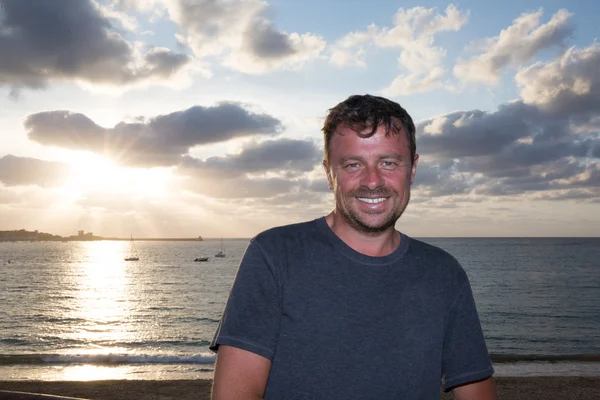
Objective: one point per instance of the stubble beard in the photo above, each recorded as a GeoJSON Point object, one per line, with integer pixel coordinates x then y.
{"type": "Point", "coordinates": [354, 220]}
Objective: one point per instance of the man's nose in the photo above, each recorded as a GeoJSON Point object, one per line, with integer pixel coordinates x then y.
{"type": "Point", "coordinates": [373, 178]}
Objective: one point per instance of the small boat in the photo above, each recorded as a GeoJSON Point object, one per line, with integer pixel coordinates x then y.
{"type": "Point", "coordinates": [221, 252]}
{"type": "Point", "coordinates": [201, 259]}
{"type": "Point", "coordinates": [133, 253]}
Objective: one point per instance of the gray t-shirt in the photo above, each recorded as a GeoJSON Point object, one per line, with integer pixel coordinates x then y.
{"type": "Point", "coordinates": [337, 324]}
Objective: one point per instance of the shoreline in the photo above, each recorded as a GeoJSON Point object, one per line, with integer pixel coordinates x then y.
{"type": "Point", "coordinates": [509, 388]}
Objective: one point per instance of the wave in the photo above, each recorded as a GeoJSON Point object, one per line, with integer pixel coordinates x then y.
{"type": "Point", "coordinates": [209, 358]}
{"type": "Point", "coordinates": [511, 358]}
{"type": "Point", "coordinates": [48, 341]}
{"type": "Point", "coordinates": [105, 359]}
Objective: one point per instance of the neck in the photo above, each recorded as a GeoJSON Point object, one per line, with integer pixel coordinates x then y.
{"type": "Point", "coordinates": [375, 245]}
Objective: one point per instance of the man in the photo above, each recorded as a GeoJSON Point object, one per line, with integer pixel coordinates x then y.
{"type": "Point", "coordinates": [346, 306]}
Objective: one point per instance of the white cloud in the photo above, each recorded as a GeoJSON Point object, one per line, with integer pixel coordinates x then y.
{"type": "Point", "coordinates": [436, 126]}
{"type": "Point", "coordinates": [240, 35]}
{"type": "Point", "coordinates": [415, 82]}
{"type": "Point", "coordinates": [420, 22]}
{"type": "Point", "coordinates": [413, 31]}
{"type": "Point", "coordinates": [342, 58]}
{"type": "Point", "coordinates": [515, 45]}
{"type": "Point", "coordinates": [570, 84]}
{"type": "Point", "coordinates": [127, 21]}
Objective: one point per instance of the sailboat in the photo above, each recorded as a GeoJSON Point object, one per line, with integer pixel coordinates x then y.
{"type": "Point", "coordinates": [133, 253]}
{"type": "Point", "coordinates": [221, 252]}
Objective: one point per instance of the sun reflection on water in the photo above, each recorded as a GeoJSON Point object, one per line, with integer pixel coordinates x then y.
{"type": "Point", "coordinates": [92, 373]}
{"type": "Point", "coordinates": [102, 296]}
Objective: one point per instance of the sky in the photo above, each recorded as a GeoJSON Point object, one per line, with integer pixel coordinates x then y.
{"type": "Point", "coordinates": [185, 118]}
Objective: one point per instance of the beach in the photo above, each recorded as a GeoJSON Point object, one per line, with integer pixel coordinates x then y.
{"type": "Point", "coordinates": [509, 388]}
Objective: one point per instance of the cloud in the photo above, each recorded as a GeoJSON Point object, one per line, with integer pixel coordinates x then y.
{"type": "Point", "coordinates": [290, 157]}
{"type": "Point", "coordinates": [546, 142]}
{"type": "Point", "coordinates": [413, 32]}
{"type": "Point", "coordinates": [415, 82]}
{"type": "Point", "coordinates": [241, 34]}
{"type": "Point", "coordinates": [515, 45]}
{"type": "Point", "coordinates": [437, 179]}
{"type": "Point", "coordinates": [44, 41]}
{"type": "Point", "coordinates": [22, 171]}
{"type": "Point", "coordinates": [475, 133]}
{"type": "Point", "coordinates": [9, 197]}
{"type": "Point", "coordinates": [262, 170]}
{"type": "Point", "coordinates": [569, 86]}
{"type": "Point", "coordinates": [157, 141]}
{"type": "Point", "coordinates": [515, 150]}
{"type": "Point", "coordinates": [240, 188]}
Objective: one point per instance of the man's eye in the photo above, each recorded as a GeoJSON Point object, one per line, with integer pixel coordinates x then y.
{"type": "Point", "coordinates": [352, 165]}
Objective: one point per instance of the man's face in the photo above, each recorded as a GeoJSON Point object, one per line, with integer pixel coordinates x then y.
{"type": "Point", "coordinates": [371, 178]}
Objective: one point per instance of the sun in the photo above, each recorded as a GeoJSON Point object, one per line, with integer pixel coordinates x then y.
{"type": "Point", "coordinates": [97, 175]}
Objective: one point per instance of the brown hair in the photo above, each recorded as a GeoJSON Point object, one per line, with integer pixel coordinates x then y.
{"type": "Point", "coordinates": [359, 112]}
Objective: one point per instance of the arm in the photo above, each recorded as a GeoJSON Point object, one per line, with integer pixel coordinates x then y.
{"type": "Point", "coordinates": [465, 360]}
{"type": "Point", "coordinates": [479, 390]}
{"type": "Point", "coordinates": [239, 375]}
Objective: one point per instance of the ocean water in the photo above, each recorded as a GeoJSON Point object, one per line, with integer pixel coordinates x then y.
{"type": "Point", "coordinates": [77, 311]}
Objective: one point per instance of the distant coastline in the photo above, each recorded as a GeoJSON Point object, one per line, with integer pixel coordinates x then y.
{"type": "Point", "coordinates": [23, 235]}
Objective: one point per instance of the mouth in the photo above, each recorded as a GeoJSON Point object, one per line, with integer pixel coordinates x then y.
{"type": "Point", "coordinates": [370, 200]}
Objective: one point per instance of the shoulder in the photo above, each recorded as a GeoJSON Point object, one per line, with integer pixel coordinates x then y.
{"type": "Point", "coordinates": [283, 245]}
{"type": "Point", "coordinates": [286, 238]}
{"type": "Point", "coordinates": [425, 250]}
{"type": "Point", "coordinates": [286, 232]}
{"type": "Point", "coordinates": [436, 260]}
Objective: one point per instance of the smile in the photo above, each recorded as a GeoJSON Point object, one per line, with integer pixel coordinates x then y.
{"type": "Point", "coordinates": [372, 201]}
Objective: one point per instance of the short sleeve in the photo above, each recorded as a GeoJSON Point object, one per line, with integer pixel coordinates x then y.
{"type": "Point", "coordinates": [253, 311]}
{"type": "Point", "coordinates": [465, 356]}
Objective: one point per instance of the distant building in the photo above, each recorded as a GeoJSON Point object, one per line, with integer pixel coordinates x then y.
{"type": "Point", "coordinates": [80, 233]}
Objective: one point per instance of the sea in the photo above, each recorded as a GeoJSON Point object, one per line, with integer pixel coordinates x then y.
{"type": "Point", "coordinates": [78, 311]}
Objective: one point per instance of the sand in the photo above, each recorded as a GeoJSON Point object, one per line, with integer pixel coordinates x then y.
{"type": "Point", "coordinates": [531, 388]}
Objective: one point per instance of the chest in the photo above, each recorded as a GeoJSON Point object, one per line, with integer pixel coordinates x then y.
{"type": "Point", "coordinates": [398, 304]}
{"type": "Point", "coordinates": [358, 322]}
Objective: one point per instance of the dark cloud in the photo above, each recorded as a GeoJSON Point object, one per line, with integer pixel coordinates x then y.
{"type": "Point", "coordinates": [71, 39]}
{"type": "Point", "coordinates": [590, 178]}
{"type": "Point", "coordinates": [475, 132]}
{"type": "Point", "coordinates": [596, 151]}
{"type": "Point", "coordinates": [319, 185]}
{"type": "Point", "coordinates": [158, 141]}
{"type": "Point", "coordinates": [65, 129]}
{"type": "Point", "coordinates": [288, 157]}
{"type": "Point", "coordinates": [440, 180]}
{"type": "Point", "coordinates": [21, 171]}
{"type": "Point", "coordinates": [244, 175]}
{"type": "Point", "coordinates": [547, 141]}
{"type": "Point", "coordinates": [517, 158]}
{"type": "Point", "coordinates": [265, 41]}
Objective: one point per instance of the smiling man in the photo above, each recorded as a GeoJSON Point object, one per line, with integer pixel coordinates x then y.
{"type": "Point", "coordinates": [346, 306]}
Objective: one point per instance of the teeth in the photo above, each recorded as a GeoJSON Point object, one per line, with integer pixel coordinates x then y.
{"type": "Point", "coordinates": [372, 201]}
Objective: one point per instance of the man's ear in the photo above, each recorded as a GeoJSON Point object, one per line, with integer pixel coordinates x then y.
{"type": "Point", "coordinates": [413, 171]}
{"type": "Point", "coordinates": [327, 174]}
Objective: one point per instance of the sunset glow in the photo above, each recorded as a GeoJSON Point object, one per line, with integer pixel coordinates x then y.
{"type": "Point", "coordinates": [171, 117]}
